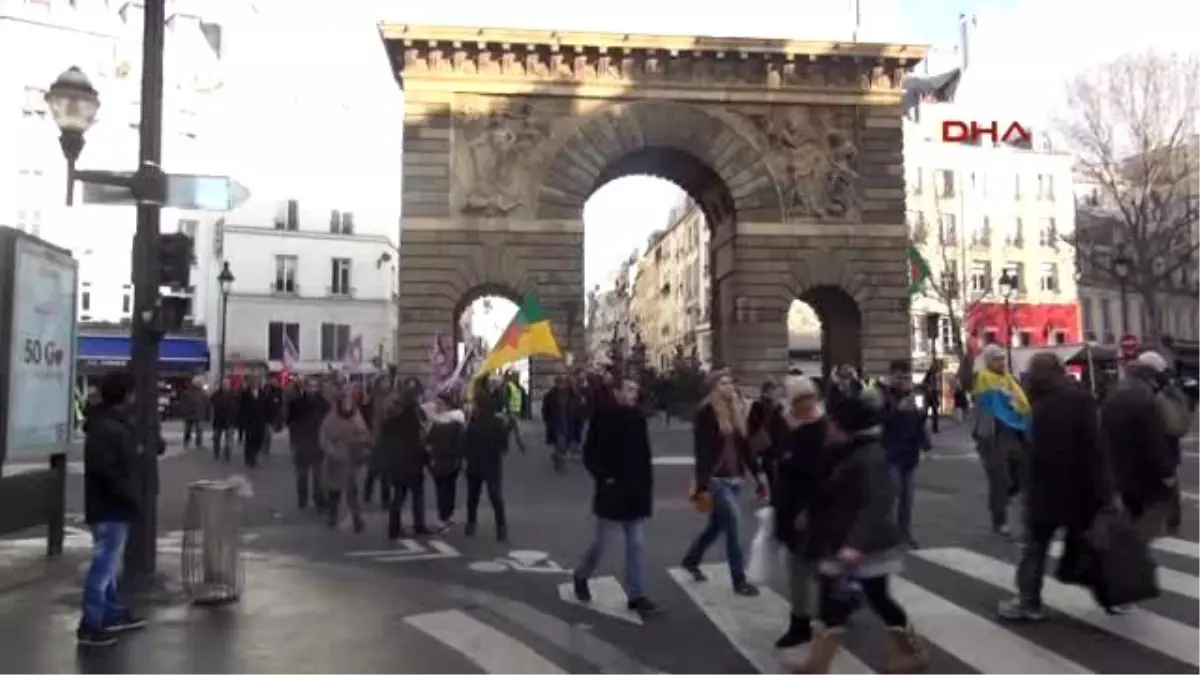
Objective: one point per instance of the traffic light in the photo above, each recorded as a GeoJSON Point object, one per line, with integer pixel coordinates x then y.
{"type": "Point", "coordinates": [175, 257]}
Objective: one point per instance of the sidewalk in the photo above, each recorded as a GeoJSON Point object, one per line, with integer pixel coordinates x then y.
{"type": "Point", "coordinates": [294, 617]}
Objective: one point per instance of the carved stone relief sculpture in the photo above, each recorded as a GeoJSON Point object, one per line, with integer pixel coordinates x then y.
{"type": "Point", "coordinates": [500, 144]}
{"type": "Point", "coordinates": [814, 157]}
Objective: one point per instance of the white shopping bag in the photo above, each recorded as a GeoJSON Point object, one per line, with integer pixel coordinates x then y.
{"type": "Point", "coordinates": [764, 549]}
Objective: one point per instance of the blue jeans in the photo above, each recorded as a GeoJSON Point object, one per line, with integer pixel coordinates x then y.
{"type": "Point", "coordinates": [100, 604]}
{"type": "Point", "coordinates": [904, 483]}
{"type": "Point", "coordinates": [725, 517]}
{"type": "Point", "coordinates": [635, 548]}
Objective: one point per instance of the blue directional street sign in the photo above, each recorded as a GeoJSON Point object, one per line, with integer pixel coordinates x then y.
{"type": "Point", "coordinates": [184, 191]}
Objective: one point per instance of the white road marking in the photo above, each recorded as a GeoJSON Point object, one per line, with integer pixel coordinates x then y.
{"type": "Point", "coordinates": [490, 649]}
{"type": "Point", "coordinates": [973, 639]}
{"type": "Point", "coordinates": [668, 460]}
{"type": "Point", "coordinates": [751, 624]}
{"type": "Point", "coordinates": [608, 598]}
{"type": "Point", "coordinates": [1150, 630]}
{"type": "Point", "coordinates": [407, 550]}
{"type": "Point", "coordinates": [1169, 580]}
{"type": "Point", "coordinates": [1183, 547]}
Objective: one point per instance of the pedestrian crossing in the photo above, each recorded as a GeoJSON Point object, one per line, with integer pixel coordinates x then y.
{"type": "Point", "coordinates": [950, 595]}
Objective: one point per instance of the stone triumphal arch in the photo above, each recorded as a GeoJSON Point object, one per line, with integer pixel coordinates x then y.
{"type": "Point", "coordinates": [793, 150]}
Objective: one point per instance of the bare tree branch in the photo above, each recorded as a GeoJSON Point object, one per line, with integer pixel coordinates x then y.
{"type": "Point", "coordinates": [1132, 126]}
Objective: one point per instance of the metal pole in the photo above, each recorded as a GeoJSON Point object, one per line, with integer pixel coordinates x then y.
{"type": "Point", "coordinates": [141, 552]}
{"type": "Point", "coordinates": [1124, 306]}
{"type": "Point", "coordinates": [224, 333]}
{"type": "Point", "coordinates": [1008, 331]}
{"type": "Point", "coordinates": [70, 182]}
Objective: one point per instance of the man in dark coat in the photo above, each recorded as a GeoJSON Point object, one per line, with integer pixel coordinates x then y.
{"type": "Point", "coordinates": [405, 457]}
{"type": "Point", "coordinates": [254, 413]}
{"type": "Point", "coordinates": [111, 501]}
{"type": "Point", "coordinates": [1142, 454]}
{"type": "Point", "coordinates": [224, 404]}
{"type": "Point", "coordinates": [305, 413]}
{"type": "Point", "coordinates": [556, 417]}
{"type": "Point", "coordinates": [1069, 478]}
{"type": "Point", "coordinates": [617, 455]}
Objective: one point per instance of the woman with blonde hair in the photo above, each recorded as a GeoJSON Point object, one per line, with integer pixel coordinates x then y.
{"type": "Point", "coordinates": [722, 461]}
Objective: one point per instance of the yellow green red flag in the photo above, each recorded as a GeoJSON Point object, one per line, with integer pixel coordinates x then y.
{"type": "Point", "coordinates": [529, 334]}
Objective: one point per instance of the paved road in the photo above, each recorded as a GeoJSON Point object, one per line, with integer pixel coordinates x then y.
{"type": "Point", "coordinates": [487, 607]}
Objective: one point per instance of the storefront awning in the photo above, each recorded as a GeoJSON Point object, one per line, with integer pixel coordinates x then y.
{"type": "Point", "coordinates": [175, 354]}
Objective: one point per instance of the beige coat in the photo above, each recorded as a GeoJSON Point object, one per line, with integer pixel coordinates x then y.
{"type": "Point", "coordinates": [344, 443]}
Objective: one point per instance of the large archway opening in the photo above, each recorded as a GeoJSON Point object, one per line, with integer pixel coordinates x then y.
{"type": "Point", "coordinates": [649, 221]}
{"type": "Point", "coordinates": [825, 331]}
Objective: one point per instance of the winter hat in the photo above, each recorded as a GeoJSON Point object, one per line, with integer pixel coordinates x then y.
{"type": "Point", "coordinates": [798, 386]}
{"type": "Point", "coordinates": [858, 412]}
{"type": "Point", "coordinates": [991, 353]}
{"type": "Point", "coordinates": [1153, 361]}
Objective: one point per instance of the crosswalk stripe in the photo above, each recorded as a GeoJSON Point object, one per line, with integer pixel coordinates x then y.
{"type": "Point", "coordinates": [490, 649]}
{"type": "Point", "coordinates": [608, 598]}
{"type": "Point", "coordinates": [1181, 547]}
{"type": "Point", "coordinates": [1169, 580]}
{"type": "Point", "coordinates": [1150, 630]}
{"type": "Point", "coordinates": [750, 624]}
{"type": "Point", "coordinates": [973, 639]}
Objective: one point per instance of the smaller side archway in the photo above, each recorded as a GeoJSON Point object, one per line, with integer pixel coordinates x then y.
{"type": "Point", "coordinates": [825, 324]}
{"type": "Point", "coordinates": [480, 318]}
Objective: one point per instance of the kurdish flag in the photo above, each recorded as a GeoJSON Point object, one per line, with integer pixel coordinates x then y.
{"type": "Point", "coordinates": [529, 334]}
{"type": "Point", "coordinates": [918, 270]}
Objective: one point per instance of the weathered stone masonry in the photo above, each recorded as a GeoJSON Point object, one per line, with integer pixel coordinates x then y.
{"type": "Point", "coordinates": [794, 151]}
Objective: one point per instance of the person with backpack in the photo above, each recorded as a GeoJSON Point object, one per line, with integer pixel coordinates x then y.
{"type": "Point", "coordinates": [1144, 460]}
{"type": "Point", "coordinates": [1175, 408]}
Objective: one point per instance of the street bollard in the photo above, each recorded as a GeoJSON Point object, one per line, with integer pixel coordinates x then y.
{"type": "Point", "coordinates": [212, 546]}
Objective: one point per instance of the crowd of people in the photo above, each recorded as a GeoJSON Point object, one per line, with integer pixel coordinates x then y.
{"type": "Point", "coordinates": [835, 460]}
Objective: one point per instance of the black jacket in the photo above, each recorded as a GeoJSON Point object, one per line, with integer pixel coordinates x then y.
{"type": "Point", "coordinates": [617, 455]}
{"type": "Point", "coordinates": [851, 503]}
{"type": "Point", "coordinates": [305, 413]}
{"type": "Point", "coordinates": [485, 442]}
{"type": "Point", "coordinates": [401, 443]}
{"type": "Point", "coordinates": [707, 445]}
{"type": "Point", "coordinates": [1069, 476]}
{"type": "Point", "coordinates": [800, 450]}
{"type": "Point", "coordinates": [1141, 452]}
{"type": "Point", "coordinates": [109, 456]}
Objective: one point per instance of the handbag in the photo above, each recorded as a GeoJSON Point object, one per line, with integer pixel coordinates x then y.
{"type": "Point", "coordinates": [760, 442]}
{"type": "Point", "coordinates": [701, 499]}
{"type": "Point", "coordinates": [1117, 564]}
{"type": "Point", "coordinates": [764, 549]}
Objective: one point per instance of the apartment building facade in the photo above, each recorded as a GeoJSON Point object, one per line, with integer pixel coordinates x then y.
{"type": "Point", "coordinates": [609, 316]}
{"type": "Point", "coordinates": [671, 289]}
{"type": "Point", "coordinates": [313, 273]}
{"type": "Point", "coordinates": [980, 213]}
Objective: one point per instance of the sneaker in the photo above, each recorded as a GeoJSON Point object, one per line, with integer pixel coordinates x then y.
{"type": "Point", "coordinates": [1004, 531]}
{"type": "Point", "coordinates": [582, 592]}
{"type": "Point", "coordinates": [88, 637]}
{"type": "Point", "coordinates": [125, 621]}
{"type": "Point", "coordinates": [469, 530]}
{"type": "Point", "coordinates": [1018, 610]}
{"type": "Point", "coordinates": [693, 569]}
{"type": "Point", "coordinates": [644, 607]}
{"type": "Point", "coordinates": [746, 589]}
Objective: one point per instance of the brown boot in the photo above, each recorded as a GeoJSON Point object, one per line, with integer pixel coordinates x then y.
{"type": "Point", "coordinates": [906, 654]}
{"type": "Point", "coordinates": [821, 652]}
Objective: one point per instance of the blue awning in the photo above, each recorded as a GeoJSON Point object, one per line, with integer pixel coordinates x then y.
{"type": "Point", "coordinates": [174, 352]}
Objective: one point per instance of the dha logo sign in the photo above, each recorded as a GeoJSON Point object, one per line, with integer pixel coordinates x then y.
{"type": "Point", "coordinates": [971, 132]}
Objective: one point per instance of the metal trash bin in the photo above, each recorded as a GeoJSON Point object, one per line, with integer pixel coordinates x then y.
{"type": "Point", "coordinates": [212, 544]}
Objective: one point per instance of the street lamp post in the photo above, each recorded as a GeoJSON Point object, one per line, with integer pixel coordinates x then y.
{"type": "Point", "coordinates": [1122, 265]}
{"type": "Point", "coordinates": [73, 103]}
{"type": "Point", "coordinates": [1009, 285]}
{"type": "Point", "coordinates": [225, 279]}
